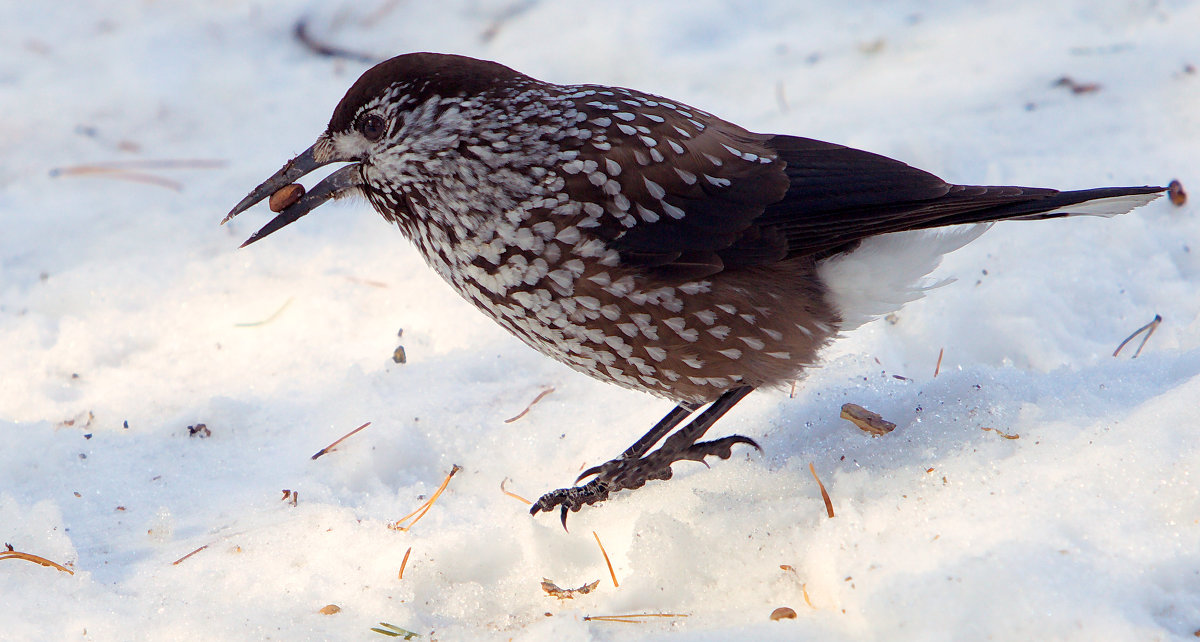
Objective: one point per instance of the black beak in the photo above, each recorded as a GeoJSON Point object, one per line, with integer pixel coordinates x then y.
{"type": "Point", "coordinates": [344, 180]}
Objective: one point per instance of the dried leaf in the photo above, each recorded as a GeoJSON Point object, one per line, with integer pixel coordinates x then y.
{"type": "Point", "coordinates": [567, 594]}
{"type": "Point", "coordinates": [1002, 434]}
{"type": "Point", "coordinates": [866, 420]}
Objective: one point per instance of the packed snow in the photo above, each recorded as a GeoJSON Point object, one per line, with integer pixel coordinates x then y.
{"type": "Point", "coordinates": [1036, 486]}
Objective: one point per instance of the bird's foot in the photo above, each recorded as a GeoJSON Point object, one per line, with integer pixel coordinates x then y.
{"type": "Point", "coordinates": [628, 474]}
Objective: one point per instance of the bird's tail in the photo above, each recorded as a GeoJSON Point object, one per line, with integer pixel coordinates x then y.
{"type": "Point", "coordinates": [1032, 204]}
{"type": "Point", "coordinates": [886, 271]}
{"type": "Point", "coordinates": [1101, 201]}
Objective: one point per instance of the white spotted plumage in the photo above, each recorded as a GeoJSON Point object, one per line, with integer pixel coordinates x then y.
{"type": "Point", "coordinates": [509, 198]}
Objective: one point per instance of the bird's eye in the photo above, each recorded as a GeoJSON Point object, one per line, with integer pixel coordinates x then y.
{"type": "Point", "coordinates": [371, 126]}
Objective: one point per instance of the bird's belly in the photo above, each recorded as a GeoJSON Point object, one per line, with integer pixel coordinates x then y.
{"type": "Point", "coordinates": [687, 341]}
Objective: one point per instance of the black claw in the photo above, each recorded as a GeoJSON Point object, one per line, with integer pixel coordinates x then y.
{"type": "Point", "coordinates": [635, 466]}
{"type": "Point", "coordinates": [594, 470]}
{"type": "Point", "coordinates": [572, 499]}
{"type": "Point", "coordinates": [721, 448]}
{"type": "Point", "coordinates": [629, 474]}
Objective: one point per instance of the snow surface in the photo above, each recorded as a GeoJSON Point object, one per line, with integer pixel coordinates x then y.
{"type": "Point", "coordinates": [124, 301]}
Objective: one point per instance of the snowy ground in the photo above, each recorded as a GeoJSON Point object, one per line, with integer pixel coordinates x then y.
{"type": "Point", "coordinates": [127, 315]}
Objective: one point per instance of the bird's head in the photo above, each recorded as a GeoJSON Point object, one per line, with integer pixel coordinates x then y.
{"type": "Point", "coordinates": [401, 113]}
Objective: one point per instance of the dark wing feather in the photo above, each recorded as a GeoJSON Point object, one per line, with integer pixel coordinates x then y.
{"type": "Point", "coordinates": [839, 196]}
{"type": "Point", "coordinates": [698, 195]}
{"type": "Point", "coordinates": [674, 197]}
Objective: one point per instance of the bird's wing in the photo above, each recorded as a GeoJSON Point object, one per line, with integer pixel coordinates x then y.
{"type": "Point", "coordinates": [692, 195]}
{"type": "Point", "coordinates": [673, 193]}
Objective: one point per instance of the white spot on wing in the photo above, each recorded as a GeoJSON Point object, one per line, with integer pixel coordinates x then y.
{"type": "Point", "coordinates": [755, 344]}
{"type": "Point", "coordinates": [655, 189]}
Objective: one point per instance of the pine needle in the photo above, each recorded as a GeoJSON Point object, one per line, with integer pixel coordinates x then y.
{"type": "Point", "coordinates": [603, 552]}
{"type": "Point", "coordinates": [541, 395]}
{"type": "Point", "coordinates": [511, 494]}
{"type": "Point", "coordinates": [36, 559]}
{"type": "Point", "coordinates": [824, 494]}
{"type": "Point", "coordinates": [393, 631]}
{"type": "Point", "coordinates": [1149, 329]}
{"type": "Point", "coordinates": [403, 563]}
{"type": "Point", "coordinates": [424, 508]}
{"type": "Point", "coordinates": [274, 315]}
{"type": "Point", "coordinates": [632, 618]}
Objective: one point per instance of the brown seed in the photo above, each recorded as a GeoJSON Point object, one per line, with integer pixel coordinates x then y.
{"type": "Point", "coordinates": [330, 609]}
{"type": "Point", "coordinates": [783, 613]}
{"type": "Point", "coordinates": [1176, 194]}
{"type": "Point", "coordinates": [286, 197]}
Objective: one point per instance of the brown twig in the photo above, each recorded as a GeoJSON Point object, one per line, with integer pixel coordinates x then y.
{"type": "Point", "coordinates": [125, 175]}
{"type": "Point", "coordinates": [541, 395]}
{"type": "Point", "coordinates": [36, 559]}
{"type": "Point", "coordinates": [375, 17]}
{"type": "Point", "coordinates": [824, 494]}
{"type": "Point", "coordinates": [344, 437]}
{"type": "Point", "coordinates": [403, 563]}
{"type": "Point", "coordinates": [374, 284]}
{"type": "Point", "coordinates": [603, 552]}
{"type": "Point", "coordinates": [938, 367]}
{"type": "Point", "coordinates": [424, 508]}
{"type": "Point", "coordinates": [1149, 329]}
{"type": "Point", "coordinates": [1077, 87]}
{"type": "Point", "coordinates": [176, 562]}
{"type": "Point", "coordinates": [148, 164]}
{"type": "Point", "coordinates": [127, 170]}
{"type": "Point", "coordinates": [511, 494]}
{"type": "Point", "coordinates": [300, 31]}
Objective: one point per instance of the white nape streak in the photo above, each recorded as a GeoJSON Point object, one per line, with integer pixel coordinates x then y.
{"type": "Point", "coordinates": [885, 272]}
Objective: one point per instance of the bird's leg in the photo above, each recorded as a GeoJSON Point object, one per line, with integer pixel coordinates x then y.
{"type": "Point", "coordinates": [639, 448]}
{"type": "Point", "coordinates": [634, 467]}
